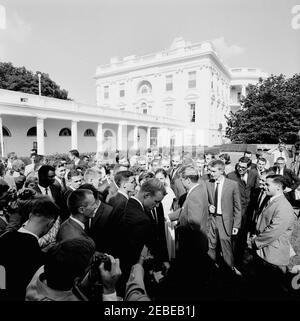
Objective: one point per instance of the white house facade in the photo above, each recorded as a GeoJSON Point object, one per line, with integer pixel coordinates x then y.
{"type": "Point", "coordinates": [173, 98]}
{"type": "Point", "coordinates": [188, 82]}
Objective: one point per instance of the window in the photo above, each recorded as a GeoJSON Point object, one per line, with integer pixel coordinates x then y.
{"type": "Point", "coordinates": [153, 137]}
{"type": "Point", "coordinates": [169, 109]}
{"type": "Point", "coordinates": [106, 92]}
{"type": "Point", "coordinates": [144, 87]}
{"type": "Point", "coordinates": [192, 79]}
{"type": "Point", "coordinates": [32, 132]}
{"type": "Point", "coordinates": [169, 83]}
{"type": "Point", "coordinates": [65, 132]}
{"type": "Point", "coordinates": [89, 133]}
{"type": "Point", "coordinates": [144, 108]}
{"type": "Point", "coordinates": [6, 132]}
{"type": "Point", "coordinates": [239, 97]}
{"type": "Point", "coordinates": [122, 90]}
{"type": "Point", "coordinates": [192, 112]}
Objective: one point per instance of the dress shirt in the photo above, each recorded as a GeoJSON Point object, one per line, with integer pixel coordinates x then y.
{"type": "Point", "coordinates": [43, 190]}
{"type": "Point", "coordinates": [23, 230]}
{"type": "Point", "coordinates": [123, 193]}
{"type": "Point", "coordinates": [138, 201]}
{"type": "Point", "coordinates": [297, 194]}
{"type": "Point", "coordinates": [77, 221]}
{"type": "Point", "coordinates": [245, 178]}
{"type": "Point", "coordinates": [219, 204]}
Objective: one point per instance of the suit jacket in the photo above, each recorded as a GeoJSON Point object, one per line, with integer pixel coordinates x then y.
{"type": "Point", "coordinates": [118, 202]}
{"type": "Point", "coordinates": [230, 203]}
{"type": "Point", "coordinates": [192, 221]}
{"type": "Point", "coordinates": [100, 229]}
{"type": "Point", "coordinates": [138, 229]}
{"type": "Point", "coordinates": [274, 229]}
{"type": "Point", "coordinates": [71, 230]}
{"type": "Point", "coordinates": [246, 190]}
{"type": "Point", "coordinates": [292, 180]}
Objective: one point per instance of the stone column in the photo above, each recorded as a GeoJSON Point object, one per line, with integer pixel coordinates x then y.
{"type": "Point", "coordinates": [74, 135]}
{"type": "Point", "coordinates": [148, 137]}
{"type": "Point", "coordinates": [1, 137]}
{"type": "Point", "coordinates": [99, 138]}
{"type": "Point", "coordinates": [40, 136]}
{"type": "Point", "coordinates": [244, 90]}
{"type": "Point", "coordinates": [135, 138]}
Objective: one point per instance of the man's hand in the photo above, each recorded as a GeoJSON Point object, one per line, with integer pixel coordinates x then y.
{"type": "Point", "coordinates": [235, 231]}
{"type": "Point", "coordinates": [110, 278]}
{"type": "Point", "coordinates": [212, 209]}
{"type": "Point", "coordinates": [165, 268]}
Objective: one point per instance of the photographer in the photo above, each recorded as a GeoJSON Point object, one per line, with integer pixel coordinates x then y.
{"type": "Point", "coordinates": [68, 274]}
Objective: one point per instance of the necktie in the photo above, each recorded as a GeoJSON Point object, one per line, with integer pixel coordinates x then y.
{"type": "Point", "coordinates": [216, 197]}
{"type": "Point", "coordinates": [63, 180]}
{"type": "Point", "coordinates": [154, 214]}
{"type": "Point", "coordinates": [46, 190]}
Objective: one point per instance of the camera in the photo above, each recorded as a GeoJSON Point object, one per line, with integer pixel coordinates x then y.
{"type": "Point", "coordinates": [90, 287]}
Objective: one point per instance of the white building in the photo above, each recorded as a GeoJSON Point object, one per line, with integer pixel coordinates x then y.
{"type": "Point", "coordinates": [175, 97]}
{"type": "Point", "coordinates": [188, 81]}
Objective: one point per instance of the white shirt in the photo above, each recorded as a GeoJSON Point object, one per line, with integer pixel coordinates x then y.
{"type": "Point", "coordinates": [43, 190]}
{"type": "Point", "coordinates": [123, 193]}
{"type": "Point", "coordinates": [77, 221]}
{"type": "Point", "coordinates": [279, 171]}
{"type": "Point", "coordinates": [220, 188]}
{"type": "Point", "coordinates": [297, 194]}
{"type": "Point", "coordinates": [245, 177]}
{"type": "Point", "coordinates": [23, 230]}
{"type": "Point", "coordinates": [138, 201]}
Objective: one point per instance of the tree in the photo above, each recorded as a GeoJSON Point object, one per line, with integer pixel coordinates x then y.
{"type": "Point", "coordinates": [21, 79]}
{"type": "Point", "coordinates": [269, 113]}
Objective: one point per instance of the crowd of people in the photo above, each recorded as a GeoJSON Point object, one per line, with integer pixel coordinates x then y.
{"type": "Point", "coordinates": [151, 227]}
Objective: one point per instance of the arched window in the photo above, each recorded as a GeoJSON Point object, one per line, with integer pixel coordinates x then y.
{"type": "Point", "coordinates": [89, 133]}
{"type": "Point", "coordinates": [144, 87]}
{"type": "Point", "coordinates": [32, 132]}
{"type": "Point", "coordinates": [6, 132]}
{"type": "Point", "coordinates": [65, 132]}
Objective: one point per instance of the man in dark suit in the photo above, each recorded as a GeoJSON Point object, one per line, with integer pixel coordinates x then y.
{"type": "Point", "coordinates": [98, 227]}
{"type": "Point", "coordinates": [225, 213]}
{"type": "Point", "coordinates": [60, 180]}
{"type": "Point", "coordinates": [247, 180]}
{"type": "Point", "coordinates": [82, 206]}
{"type": "Point", "coordinates": [138, 228]}
{"type": "Point", "coordinates": [20, 252]}
{"type": "Point", "coordinates": [292, 180]}
{"type": "Point", "coordinates": [191, 236]}
{"type": "Point", "coordinates": [126, 182]}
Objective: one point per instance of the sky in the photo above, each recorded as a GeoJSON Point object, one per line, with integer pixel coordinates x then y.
{"type": "Point", "coordinates": [68, 39]}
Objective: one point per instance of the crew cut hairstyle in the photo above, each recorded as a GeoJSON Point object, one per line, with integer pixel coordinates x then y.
{"type": "Point", "coordinates": [279, 180]}
{"type": "Point", "coordinates": [74, 152]}
{"type": "Point", "coordinates": [262, 159]}
{"type": "Point", "coordinates": [67, 260]}
{"type": "Point", "coordinates": [91, 173]}
{"type": "Point", "coordinates": [247, 160]}
{"type": "Point", "coordinates": [152, 186]}
{"type": "Point", "coordinates": [43, 206]}
{"type": "Point", "coordinates": [122, 176]}
{"type": "Point", "coordinates": [218, 163]}
{"type": "Point", "coordinates": [77, 199]}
